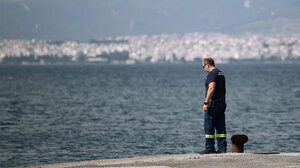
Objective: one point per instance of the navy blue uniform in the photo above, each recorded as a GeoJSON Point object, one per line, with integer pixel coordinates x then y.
{"type": "Point", "coordinates": [214, 118]}
{"type": "Point", "coordinates": [216, 76]}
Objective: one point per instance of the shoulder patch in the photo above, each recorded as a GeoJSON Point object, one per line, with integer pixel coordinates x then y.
{"type": "Point", "coordinates": [220, 73]}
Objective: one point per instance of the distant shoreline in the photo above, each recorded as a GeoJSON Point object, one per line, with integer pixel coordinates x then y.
{"type": "Point", "coordinates": [149, 64]}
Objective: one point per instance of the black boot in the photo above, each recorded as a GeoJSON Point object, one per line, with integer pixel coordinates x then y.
{"type": "Point", "coordinates": [207, 152]}
{"type": "Point", "coordinates": [220, 151]}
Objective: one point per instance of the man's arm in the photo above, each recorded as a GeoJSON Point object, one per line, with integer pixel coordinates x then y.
{"type": "Point", "coordinates": [210, 93]}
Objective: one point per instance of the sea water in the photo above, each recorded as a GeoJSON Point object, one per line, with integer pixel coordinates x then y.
{"type": "Point", "coordinates": [51, 114]}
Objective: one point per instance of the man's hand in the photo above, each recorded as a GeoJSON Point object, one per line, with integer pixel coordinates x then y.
{"type": "Point", "coordinates": [205, 108]}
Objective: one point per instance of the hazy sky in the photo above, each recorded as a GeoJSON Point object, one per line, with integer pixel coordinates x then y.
{"type": "Point", "coordinates": [84, 20]}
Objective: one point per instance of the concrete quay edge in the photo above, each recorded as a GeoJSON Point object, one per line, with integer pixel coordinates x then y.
{"type": "Point", "coordinates": [228, 160]}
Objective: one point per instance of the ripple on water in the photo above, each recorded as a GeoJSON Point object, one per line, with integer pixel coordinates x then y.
{"type": "Point", "coordinates": [72, 113]}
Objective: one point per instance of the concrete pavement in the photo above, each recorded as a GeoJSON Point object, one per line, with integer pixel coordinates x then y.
{"type": "Point", "coordinates": [228, 160]}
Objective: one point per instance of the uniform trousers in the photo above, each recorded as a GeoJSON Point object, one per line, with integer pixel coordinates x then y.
{"type": "Point", "coordinates": [214, 119]}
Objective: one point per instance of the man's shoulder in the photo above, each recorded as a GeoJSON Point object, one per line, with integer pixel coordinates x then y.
{"type": "Point", "coordinates": [215, 71]}
{"type": "Point", "coordinates": [212, 74]}
{"type": "Point", "coordinates": [219, 72]}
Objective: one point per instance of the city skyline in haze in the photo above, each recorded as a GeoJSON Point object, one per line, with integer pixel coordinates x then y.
{"type": "Point", "coordinates": [79, 20]}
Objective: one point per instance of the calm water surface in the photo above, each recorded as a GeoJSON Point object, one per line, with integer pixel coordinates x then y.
{"type": "Point", "coordinates": [51, 114]}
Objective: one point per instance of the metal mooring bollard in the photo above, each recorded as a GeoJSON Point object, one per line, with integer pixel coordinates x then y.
{"type": "Point", "coordinates": [238, 141]}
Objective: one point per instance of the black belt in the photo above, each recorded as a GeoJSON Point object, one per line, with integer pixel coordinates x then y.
{"type": "Point", "coordinates": [221, 99]}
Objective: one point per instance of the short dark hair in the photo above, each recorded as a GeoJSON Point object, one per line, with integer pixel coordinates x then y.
{"type": "Point", "coordinates": [209, 61]}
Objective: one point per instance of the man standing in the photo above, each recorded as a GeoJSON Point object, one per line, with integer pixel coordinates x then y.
{"type": "Point", "coordinates": [214, 108]}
